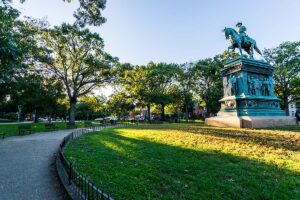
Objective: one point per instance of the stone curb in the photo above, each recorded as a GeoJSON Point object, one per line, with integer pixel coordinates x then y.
{"type": "Point", "coordinates": [63, 177]}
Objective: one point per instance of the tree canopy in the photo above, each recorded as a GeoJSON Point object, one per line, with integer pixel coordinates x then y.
{"type": "Point", "coordinates": [286, 60]}
{"type": "Point", "coordinates": [77, 59]}
{"type": "Point", "coordinates": [88, 13]}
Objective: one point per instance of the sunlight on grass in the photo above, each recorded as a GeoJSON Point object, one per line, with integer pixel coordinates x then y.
{"type": "Point", "coordinates": [203, 141]}
{"type": "Point", "coordinates": [188, 161]}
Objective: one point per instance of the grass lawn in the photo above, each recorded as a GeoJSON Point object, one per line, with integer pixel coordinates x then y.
{"type": "Point", "coordinates": [12, 129]}
{"type": "Point", "coordinates": [191, 161]}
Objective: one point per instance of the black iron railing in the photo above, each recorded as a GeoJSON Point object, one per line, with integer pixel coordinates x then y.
{"type": "Point", "coordinates": [81, 185]}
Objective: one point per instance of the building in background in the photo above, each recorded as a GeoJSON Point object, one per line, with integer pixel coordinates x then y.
{"type": "Point", "coordinates": [292, 109]}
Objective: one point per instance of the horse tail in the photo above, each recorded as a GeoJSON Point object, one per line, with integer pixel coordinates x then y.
{"type": "Point", "coordinates": [257, 49]}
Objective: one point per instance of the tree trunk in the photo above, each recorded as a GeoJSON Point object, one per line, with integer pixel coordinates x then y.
{"type": "Point", "coordinates": [148, 113]}
{"type": "Point", "coordinates": [163, 118]}
{"type": "Point", "coordinates": [186, 113]}
{"type": "Point", "coordinates": [36, 118]}
{"type": "Point", "coordinates": [207, 110]}
{"type": "Point", "coordinates": [286, 100]}
{"type": "Point", "coordinates": [286, 105]}
{"type": "Point", "coordinates": [72, 112]}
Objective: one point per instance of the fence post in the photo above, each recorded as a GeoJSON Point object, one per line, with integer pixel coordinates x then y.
{"type": "Point", "coordinates": [70, 173]}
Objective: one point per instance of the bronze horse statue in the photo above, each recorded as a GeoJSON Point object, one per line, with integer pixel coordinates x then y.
{"type": "Point", "coordinates": [236, 42]}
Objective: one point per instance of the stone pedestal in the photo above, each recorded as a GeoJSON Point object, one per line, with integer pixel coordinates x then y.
{"type": "Point", "coordinates": [249, 100]}
{"type": "Point", "coordinates": [251, 122]}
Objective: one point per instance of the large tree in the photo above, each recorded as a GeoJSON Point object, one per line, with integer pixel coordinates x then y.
{"type": "Point", "coordinates": [162, 79]}
{"type": "Point", "coordinates": [208, 82]}
{"type": "Point", "coordinates": [35, 93]}
{"type": "Point", "coordinates": [286, 60]}
{"type": "Point", "coordinates": [134, 83]}
{"type": "Point", "coordinates": [150, 84]}
{"type": "Point", "coordinates": [90, 107]}
{"type": "Point", "coordinates": [186, 79]}
{"type": "Point", "coordinates": [18, 48]}
{"type": "Point", "coordinates": [120, 104]}
{"type": "Point", "coordinates": [77, 59]}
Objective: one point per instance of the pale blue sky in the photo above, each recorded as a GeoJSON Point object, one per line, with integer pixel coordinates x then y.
{"type": "Point", "coordinates": [139, 31]}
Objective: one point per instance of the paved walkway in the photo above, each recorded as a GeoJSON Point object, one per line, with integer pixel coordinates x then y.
{"type": "Point", "coordinates": [27, 169]}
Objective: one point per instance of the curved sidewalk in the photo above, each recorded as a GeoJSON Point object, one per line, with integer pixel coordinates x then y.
{"type": "Point", "coordinates": [27, 169]}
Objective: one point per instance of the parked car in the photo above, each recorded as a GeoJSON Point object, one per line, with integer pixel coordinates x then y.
{"type": "Point", "coordinates": [99, 119]}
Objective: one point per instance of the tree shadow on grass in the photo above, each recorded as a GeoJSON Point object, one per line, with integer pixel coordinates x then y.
{"type": "Point", "coordinates": [130, 168]}
{"type": "Point", "coordinates": [277, 138]}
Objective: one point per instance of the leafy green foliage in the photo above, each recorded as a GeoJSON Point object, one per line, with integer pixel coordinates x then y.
{"type": "Point", "coordinates": [186, 79]}
{"type": "Point", "coordinates": [286, 60]}
{"type": "Point", "coordinates": [89, 12]}
{"type": "Point", "coordinates": [208, 82]}
{"type": "Point", "coordinates": [161, 80]}
{"type": "Point", "coordinates": [9, 51]}
{"type": "Point", "coordinates": [184, 161]}
{"type": "Point", "coordinates": [150, 84]}
{"type": "Point", "coordinates": [77, 59]}
{"type": "Point", "coordinates": [120, 103]}
{"type": "Point", "coordinates": [91, 107]}
{"type": "Point", "coordinates": [35, 93]}
{"type": "Point", "coordinates": [18, 53]}
{"type": "Point", "coordinates": [295, 90]}
{"type": "Point", "coordinates": [17, 43]}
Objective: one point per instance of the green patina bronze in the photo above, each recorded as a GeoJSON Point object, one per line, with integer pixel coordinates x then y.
{"type": "Point", "coordinates": [239, 39]}
{"type": "Point", "coordinates": [248, 83]}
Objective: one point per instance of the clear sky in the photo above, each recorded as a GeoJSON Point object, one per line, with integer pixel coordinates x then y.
{"type": "Point", "coordinates": [139, 31]}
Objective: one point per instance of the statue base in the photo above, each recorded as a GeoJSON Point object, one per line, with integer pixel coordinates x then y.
{"type": "Point", "coordinates": [250, 121]}
{"type": "Point", "coordinates": [249, 100]}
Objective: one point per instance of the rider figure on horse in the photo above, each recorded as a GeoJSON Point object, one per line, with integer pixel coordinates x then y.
{"type": "Point", "coordinates": [241, 29]}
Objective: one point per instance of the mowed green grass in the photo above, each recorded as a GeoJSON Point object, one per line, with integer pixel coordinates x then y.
{"type": "Point", "coordinates": [190, 161]}
{"type": "Point", "coordinates": [12, 129]}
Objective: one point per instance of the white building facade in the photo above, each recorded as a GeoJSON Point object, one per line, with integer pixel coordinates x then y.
{"type": "Point", "coordinates": [292, 109]}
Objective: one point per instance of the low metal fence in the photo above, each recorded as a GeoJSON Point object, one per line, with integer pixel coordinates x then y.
{"type": "Point", "coordinates": [81, 185]}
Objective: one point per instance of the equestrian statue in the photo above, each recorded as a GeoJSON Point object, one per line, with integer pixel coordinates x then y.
{"type": "Point", "coordinates": [239, 39]}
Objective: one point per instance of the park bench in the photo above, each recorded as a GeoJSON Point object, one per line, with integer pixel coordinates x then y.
{"type": "Point", "coordinates": [70, 125]}
{"type": "Point", "coordinates": [50, 127]}
{"type": "Point", "coordinates": [24, 129]}
{"type": "Point", "coordinates": [87, 123]}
